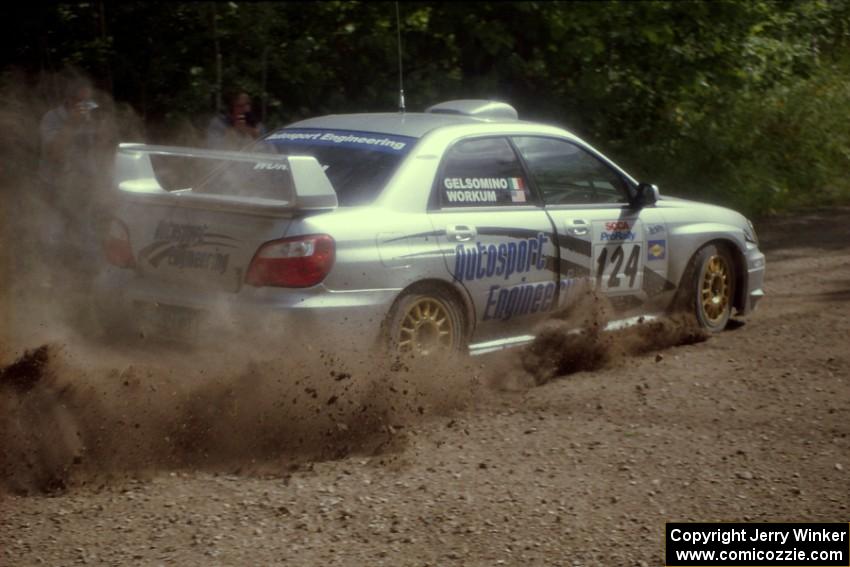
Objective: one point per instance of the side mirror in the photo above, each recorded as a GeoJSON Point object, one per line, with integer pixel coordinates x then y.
{"type": "Point", "coordinates": [645, 195]}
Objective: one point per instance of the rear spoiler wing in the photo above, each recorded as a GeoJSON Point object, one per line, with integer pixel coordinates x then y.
{"type": "Point", "coordinates": [134, 176]}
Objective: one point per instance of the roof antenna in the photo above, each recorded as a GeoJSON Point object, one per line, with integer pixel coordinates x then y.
{"type": "Point", "coordinates": [400, 71]}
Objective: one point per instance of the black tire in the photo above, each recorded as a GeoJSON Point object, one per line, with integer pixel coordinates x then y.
{"type": "Point", "coordinates": [709, 287]}
{"type": "Point", "coordinates": [426, 322]}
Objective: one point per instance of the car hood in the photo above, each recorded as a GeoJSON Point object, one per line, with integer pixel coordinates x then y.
{"type": "Point", "coordinates": [703, 211]}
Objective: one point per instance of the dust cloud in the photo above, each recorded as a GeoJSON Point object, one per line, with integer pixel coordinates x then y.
{"type": "Point", "coordinates": [574, 339]}
{"type": "Point", "coordinates": [82, 415]}
{"type": "Point", "coordinates": [67, 420]}
{"type": "Point", "coordinates": [51, 226]}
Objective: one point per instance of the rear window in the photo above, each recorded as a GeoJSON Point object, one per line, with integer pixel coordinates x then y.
{"type": "Point", "coordinates": [358, 164]}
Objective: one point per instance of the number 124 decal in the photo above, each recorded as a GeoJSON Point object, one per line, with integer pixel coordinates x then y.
{"type": "Point", "coordinates": [618, 266]}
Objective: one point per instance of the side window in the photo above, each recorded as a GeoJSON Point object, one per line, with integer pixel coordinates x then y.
{"type": "Point", "coordinates": [482, 172]}
{"type": "Point", "coordinates": [568, 175]}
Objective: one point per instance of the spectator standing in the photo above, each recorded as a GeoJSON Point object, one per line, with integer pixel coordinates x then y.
{"type": "Point", "coordinates": [236, 127]}
{"type": "Point", "coordinates": [74, 140]}
{"type": "Point", "coordinates": [68, 135]}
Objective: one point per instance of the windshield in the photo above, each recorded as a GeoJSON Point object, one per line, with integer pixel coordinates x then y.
{"type": "Point", "coordinates": [358, 164]}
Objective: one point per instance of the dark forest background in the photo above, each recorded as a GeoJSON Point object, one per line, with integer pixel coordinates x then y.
{"type": "Point", "coordinates": [745, 103]}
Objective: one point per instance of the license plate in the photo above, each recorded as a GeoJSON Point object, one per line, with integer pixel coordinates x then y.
{"type": "Point", "coordinates": [168, 321]}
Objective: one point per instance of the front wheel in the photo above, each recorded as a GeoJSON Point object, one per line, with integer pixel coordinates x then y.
{"type": "Point", "coordinates": [711, 287]}
{"type": "Point", "coordinates": [426, 323]}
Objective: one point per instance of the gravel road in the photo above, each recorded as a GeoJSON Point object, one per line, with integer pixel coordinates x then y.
{"type": "Point", "coordinates": [752, 424]}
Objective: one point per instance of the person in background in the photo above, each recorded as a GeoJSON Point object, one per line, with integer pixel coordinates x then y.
{"type": "Point", "coordinates": [68, 135]}
{"type": "Point", "coordinates": [76, 143]}
{"type": "Point", "coordinates": [236, 127]}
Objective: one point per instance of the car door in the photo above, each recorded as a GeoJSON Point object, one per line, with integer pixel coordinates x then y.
{"type": "Point", "coordinates": [494, 235]}
{"type": "Point", "coordinates": [620, 249]}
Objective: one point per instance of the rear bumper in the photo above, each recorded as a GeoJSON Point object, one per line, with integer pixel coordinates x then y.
{"type": "Point", "coordinates": [317, 315]}
{"type": "Point", "coordinates": [754, 281]}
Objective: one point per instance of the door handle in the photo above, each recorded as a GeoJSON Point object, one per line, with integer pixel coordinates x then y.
{"type": "Point", "coordinates": [578, 227]}
{"type": "Point", "coordinates": [460, 232]}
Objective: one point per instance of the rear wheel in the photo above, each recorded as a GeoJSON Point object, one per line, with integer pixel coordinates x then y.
{"type": "Point", "coordinates": [711, 287]}
{"type": "Point", "coordinates": [425, 323]}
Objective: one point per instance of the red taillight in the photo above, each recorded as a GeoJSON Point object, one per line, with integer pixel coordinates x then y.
{"type": "Point", "coordinates": [302, 261]}
{"type": "Point", "coordinates": [117, 247]}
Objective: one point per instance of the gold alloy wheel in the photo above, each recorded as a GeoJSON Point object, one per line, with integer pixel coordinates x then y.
{"type": "Point", "coordinates": [427, 326]}
{"type": "Point", "coordinates": [715, 290]}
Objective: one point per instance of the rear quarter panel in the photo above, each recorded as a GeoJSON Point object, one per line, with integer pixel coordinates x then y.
{"type": "Point", "coordinates": [377, 248]}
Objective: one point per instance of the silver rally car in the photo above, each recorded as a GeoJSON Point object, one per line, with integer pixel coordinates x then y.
{"type": "Point", "coordinates": [458, 228]}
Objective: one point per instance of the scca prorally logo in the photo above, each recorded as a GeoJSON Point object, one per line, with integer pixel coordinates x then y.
{"type": "Point", "coordinates": [188, 246]}
{"type": "Point", "coordinates": [619, 230]}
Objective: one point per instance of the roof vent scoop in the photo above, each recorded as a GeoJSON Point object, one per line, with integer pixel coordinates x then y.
{"type": "Point", "coordinates": [485, 109]}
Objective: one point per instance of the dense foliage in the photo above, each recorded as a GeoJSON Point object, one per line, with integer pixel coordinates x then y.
{"type": "Point", "coordinates": [738, 102]}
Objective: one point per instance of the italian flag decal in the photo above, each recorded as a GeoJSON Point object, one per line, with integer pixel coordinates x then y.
{"type": "Point", "coordinates": [517, 189]}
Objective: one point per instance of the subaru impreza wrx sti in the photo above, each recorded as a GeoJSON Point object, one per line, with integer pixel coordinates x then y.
{"type": "Point", "coordinates": [458, 228]}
